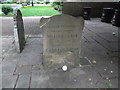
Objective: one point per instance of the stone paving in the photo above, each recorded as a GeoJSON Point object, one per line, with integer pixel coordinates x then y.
{"type": "Point", "coordinates": [98, 68]}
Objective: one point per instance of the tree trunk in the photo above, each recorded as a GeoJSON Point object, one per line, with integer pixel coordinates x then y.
{"type": "Point", "coordinates": [32, 3]}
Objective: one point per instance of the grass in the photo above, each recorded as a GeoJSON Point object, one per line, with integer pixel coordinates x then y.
{"type": "Point", "coordinates": [36, 11]}
{"type": "Point", "coordinates": [9, 5]}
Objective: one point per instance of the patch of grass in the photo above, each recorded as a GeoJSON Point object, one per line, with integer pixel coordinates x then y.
{"type": "Point", "coordinates": [9, 5]}
{"type": "Point", "coordinates": [37, 11]}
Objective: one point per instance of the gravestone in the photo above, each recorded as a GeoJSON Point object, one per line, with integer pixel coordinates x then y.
{"type": "Point", "coordinates": [19, 31]}
{"type": "Point", "coordinates": [61, 40]}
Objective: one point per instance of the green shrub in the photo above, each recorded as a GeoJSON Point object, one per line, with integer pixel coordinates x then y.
{"type": "Point", "coordinates": [42, 3]}
{"type": "Point", "coordinates": [57, 5]}
{"type": "Point", "coordinates": [9, 2]}
{"type": "Point", "coordinates": [37, 2]}
{"type": "Point", "coordinates": [47, 2]}
{"type": "Point", "coordinates": [7, 9]}
{"type": "Point", "coordinates": [60, 8]}
{"type": "Point", "coordinates": [54, 4]}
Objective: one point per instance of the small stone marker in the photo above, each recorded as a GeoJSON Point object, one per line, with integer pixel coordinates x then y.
{"type": "Point", "coordinates": [61, 40]}
{"type": "Point", "coordinates": [19, 31]}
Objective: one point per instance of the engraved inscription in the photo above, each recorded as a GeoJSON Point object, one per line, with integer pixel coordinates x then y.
{"type": "Point", "coordinates": [61, 40]}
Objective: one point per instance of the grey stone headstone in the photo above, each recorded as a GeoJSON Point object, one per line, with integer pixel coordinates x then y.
{"type": "Point", "coordinates": [61, 40]}
{"type": "Point", "coordinates": [19, 31]}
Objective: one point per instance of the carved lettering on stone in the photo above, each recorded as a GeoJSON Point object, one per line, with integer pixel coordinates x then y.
{"type": "Point", "coordinates": [61, 40]}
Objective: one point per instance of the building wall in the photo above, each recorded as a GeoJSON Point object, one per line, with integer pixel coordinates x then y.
{"type": "Point", "coordinates": [76, 8]}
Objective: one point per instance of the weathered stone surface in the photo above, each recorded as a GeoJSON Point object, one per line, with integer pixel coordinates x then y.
{"type": "Point", "coordinates": [22, 70]}
{"type": "Point", "coordinates": [8, 67]}
{"type": "Point", "coordinates": [39, 79]}
{"type": "Point", "coordinates": [6, 42]}
{"type": "Point", "coordinates": [96, 75]}
{"type": "Point", "coordinates": [8, 81]}
{"type": "Point", "coordinates": [109, 68]}
{"type": "Point", "coordinates": [26, 59]}
{"type": "Point", "coordinates": [110, 46]}
{"type": "Point", "coordinates": [23, 81]}
{"type": "Point", "coordinates": [114, 83]}
{"type": "Point", "coordinates": [19, 31]}
{"type": "Point", "coordinates": [61, 40]}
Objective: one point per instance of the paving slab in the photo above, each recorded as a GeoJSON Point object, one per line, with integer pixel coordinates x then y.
{"type": "Point", "coordinates": [84, 61]}
{"type": "Point", "coordinates": [34, 39]}
{"type": "Point", "coordinates": [110, 46]}
{"type": "Point", "coordinates": [109, 37]}
{"type": "Point", "coordinates": [8, 67]}
{"type": "Point", "coordinates": [6, 43]}
{"type": "Point", "coordinates": [9, 62]}
{"type": "Point", "coordinates": [101, 84]}
{"type": "Point", "coordinates": [39, 79]}
{"type": "Point", "coordinates": [75, 78]}
{"type": "Point", "coordinates": [23, 81]}
{"type": "Point", "coordinates": [1, 59]}
{"type": "Point", "coordinates": [30, 58]}
{"type": "Point", "coordinates": [36, 67]}
{"type": "Point", "coordinates": [90, 50]}
{"type": "Point", "coordinates": [112, 83]}
{"type": "Point", "coordinates": [23, 70]}
{"type": "Point", "coordinates": [99, 70]}
{"type": "Point", "coordinates": [11, 54]}
{"type": "Point", "coordinates": [7, 29]}
{"type": "Point", "coordinates": [9, 81]}
{"type": "Point", "coordinates": [32, 50]}
{"type": "Point", "coordinates": [114, 54]}
{"type": "Point", "coordinates": [108, 68]}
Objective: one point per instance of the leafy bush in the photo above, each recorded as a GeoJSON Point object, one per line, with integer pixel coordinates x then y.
{"type": "Point", "coordinates": [57, 5]}
{"type": "Point", "coordinates": [47, 2]}
{"type": "Point", "coordinates": [7, 9]}
{"type": "Point", "coordinates": [54, 4]}
{"type": "Point", "coordinates": [60, 8]}
{"type": "Point", "coordinates": [37, 2]}
{"type": "Point", "coordinates": [9, 2]}
{"type": "Point", "coordinates": [42, 3]}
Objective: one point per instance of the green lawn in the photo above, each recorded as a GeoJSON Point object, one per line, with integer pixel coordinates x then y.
{"type": "Point", "coordinates": [9, 5]}
{"type": "Point", "coordinates": [37, 11]}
